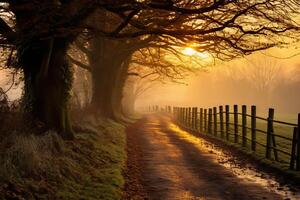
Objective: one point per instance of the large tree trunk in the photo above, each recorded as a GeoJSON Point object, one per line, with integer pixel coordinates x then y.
{"type": "Point", "coordinates": [129, 103]}
{"type": "Point", "coordinates": [48, 80]}
{"type": "Point", "coordinates": [129, 99]}
{"type": "Point", "coordinates": [103, 84]}
{"type": "Point", "coordinates": [107, 89]}
{"type": "Point", "coordinates": [110, 66]}
{"type": "Point", "coordinates": [119, 89]}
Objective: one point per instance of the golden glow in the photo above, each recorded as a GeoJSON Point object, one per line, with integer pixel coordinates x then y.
{"type": "Point", "coordinates": [189, 51]}
{"type": "Point", "coordinates": [192, 52]}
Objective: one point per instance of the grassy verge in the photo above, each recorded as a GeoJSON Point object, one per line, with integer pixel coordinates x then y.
{"type": "Point", "coordinates": [282, 144]}
{"type": "Point", "coordinates": [45, 167]}
{"type": "Point", "coordinates": [281, 168]}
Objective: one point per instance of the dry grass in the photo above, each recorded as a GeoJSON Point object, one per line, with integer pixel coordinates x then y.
{"type": "Point", "coordinates": [28, 155]}
{"type": "Point", "coordinates": [40, 165]}
{"type": "Point", "coordinates": [46, 167]}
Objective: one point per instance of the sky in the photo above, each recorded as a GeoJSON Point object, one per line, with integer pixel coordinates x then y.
{"type": "Point", "coordinates": [235, 83]}
{"type": "Point", "coordinates": [13, 91]}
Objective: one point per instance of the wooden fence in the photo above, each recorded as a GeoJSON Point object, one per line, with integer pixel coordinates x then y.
{"type": "Point", "coordinates": [255, 133]}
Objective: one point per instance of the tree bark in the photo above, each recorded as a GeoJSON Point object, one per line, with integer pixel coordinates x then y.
{"type": "Point", "coordinates": [129, 101]}
{"type": "Point", "coordinates": [107, 89]}
{"type": "Point", "coordinates": [48, 80]}
{"type": "Point", "coordinates": [109, 72]}
{"type": "Point", "coordinates": [118, 90]}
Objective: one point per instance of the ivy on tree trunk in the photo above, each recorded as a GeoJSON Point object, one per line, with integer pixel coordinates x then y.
{"type": "Point", "coordinates": [48, 80]}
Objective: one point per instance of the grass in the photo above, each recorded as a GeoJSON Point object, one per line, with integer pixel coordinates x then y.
{"type": "Point", "coordinates": [261, 138]}
{"type": "Point", "coordinates": [279, 129]}
{"type": "Point", "coordinates": [45, 167]}
{"type": "Point", "coordinates": [281, 166]}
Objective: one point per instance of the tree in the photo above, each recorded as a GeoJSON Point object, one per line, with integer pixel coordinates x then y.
{"type": "Point", "coordinates": [135, 87]}
{"type": "Point", "coordinates": [42, 30]}
{"type": "Point", "coordinates": [220, 33]}
{"type": "Point", "coordinates": [110, 68]}
{"type": "Point", "coordinates": [263, 73]}
{"type": "Point", "coordinates": [108, 63]}
{"type": "Point", "coordinates": [41, 38]}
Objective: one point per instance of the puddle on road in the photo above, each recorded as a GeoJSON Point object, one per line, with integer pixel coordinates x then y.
{"type": "Point", "coordinates": [247, 173]}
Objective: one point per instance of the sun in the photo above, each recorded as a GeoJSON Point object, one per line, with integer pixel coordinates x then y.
{"type": "Point", "coordinates": [192, 52]}
{"type": "Point", "coordinates": [189, 51]}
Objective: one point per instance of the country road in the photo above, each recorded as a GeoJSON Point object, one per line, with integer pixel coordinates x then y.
{"type": "Point", "coordinates": [165, 162]}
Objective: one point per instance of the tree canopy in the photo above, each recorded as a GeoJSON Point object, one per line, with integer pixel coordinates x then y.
{"type": "Point", "coordinates": [38, 34]}
{"type": "Point", "coordinates": [240, 25]}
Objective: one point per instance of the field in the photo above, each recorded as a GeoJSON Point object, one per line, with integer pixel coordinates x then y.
{"type": "Point", "coordinates": [283, 135]}
{"type": "Point", "coordinates": [261, 138]}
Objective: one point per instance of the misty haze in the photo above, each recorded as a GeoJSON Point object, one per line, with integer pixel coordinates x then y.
{"type": "Point", "coordinates": [149, 100]}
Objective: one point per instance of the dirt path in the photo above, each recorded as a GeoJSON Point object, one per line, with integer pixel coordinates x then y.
{"type": "Point", "coordinates": [166, 164]}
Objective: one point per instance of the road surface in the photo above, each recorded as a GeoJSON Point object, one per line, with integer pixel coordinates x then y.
{"type": "Point", "coordinates": [165, 162]}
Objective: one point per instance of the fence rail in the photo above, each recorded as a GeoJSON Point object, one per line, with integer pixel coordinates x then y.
{"type": "Point", "coordinates": [252, 132]}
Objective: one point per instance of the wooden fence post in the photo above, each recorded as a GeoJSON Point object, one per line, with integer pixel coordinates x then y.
{"type": "Point", "coordinates": [294, 147]}
{"type": "Point", "coordinates": [201, 120]}
{"type": "Point", "coordinates": [205, 121]}
{"type": "Point", "coordinates": [196, 119]}
{"type": "Point", "coordinates": [174, 113]}
{"type": "Point", "coordinates": [221, 121]}
{"type": "Point", "coordinates": [179, 114]}
{"type": "Point", "coordinates": [236, 128]}
{"type": "Point", "coordinates": [182, 113]}
{"type": "Point", "coordinates": [274, 146]}
{"type": "Point", "coordinates": [210, 121]}
{"type": "Point", "coordinates": [253, 128]}
{"type": "Point", "coordinates": [244, 125]}
{"type": "Point", "coordinates": [269, 133]}
{"type": "Point", "coordinates": [298, 145]}
{"type": "Point", "coordinates": [227, 119]}
{"type": "Point", "coordinates": [186, 116]}
{"type": "Point", "coordinates": [190, 118]}
{"type": "Point", "coordinates": [215, 121]}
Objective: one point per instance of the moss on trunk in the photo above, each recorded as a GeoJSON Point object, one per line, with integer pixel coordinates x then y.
{"type": "Point", "coordinates": [48, 80]}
